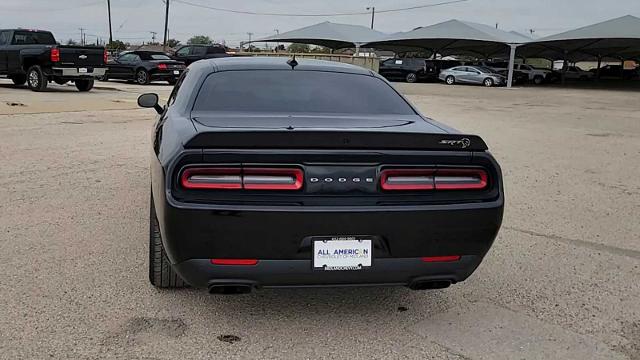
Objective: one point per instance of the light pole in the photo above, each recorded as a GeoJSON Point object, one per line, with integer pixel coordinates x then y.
{"type": "Point", "coordinates": [373, 14]}
{"type": "Point", "coordinates": [277, 42]}
{"type": "Point", "coordinates": [250, 34]}
{"type": "Point", "coordinates": [109, 12]}
{"type": "Point", "coordinates": [166, 26]}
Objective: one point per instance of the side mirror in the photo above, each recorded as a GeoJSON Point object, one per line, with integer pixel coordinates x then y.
{"type": "Point", "coordinates": [150, 100]}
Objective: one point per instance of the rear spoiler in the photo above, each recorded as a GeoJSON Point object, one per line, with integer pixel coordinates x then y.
{"type": "Point", "coordinates": [335, 140]}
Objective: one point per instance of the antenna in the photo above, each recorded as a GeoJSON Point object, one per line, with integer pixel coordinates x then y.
{"type": "Point", "coordinates": [292, 62]}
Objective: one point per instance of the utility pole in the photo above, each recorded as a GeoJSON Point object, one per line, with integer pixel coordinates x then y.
{"type": "Point", "coordinates": [166, 26]}
{"type": "Point", "coordinates": [250, 34]}
{"type": "Point", "coordinates": [82, 35]}
{"type": "Point", "coordinates": [109, 12]}
{"type": "Point", "coordinates": [373, 14]}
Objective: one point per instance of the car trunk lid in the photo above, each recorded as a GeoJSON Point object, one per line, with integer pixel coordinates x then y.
{"type": "Point", "coordinates": [232, 130]}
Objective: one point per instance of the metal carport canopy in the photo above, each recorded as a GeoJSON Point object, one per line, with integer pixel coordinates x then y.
{"type": "Point", "coordinates": [455, 37]}
{"type": "Point", "coordinates": [612, 39]}
{"type": "Point", "coordinates": [328, 34]}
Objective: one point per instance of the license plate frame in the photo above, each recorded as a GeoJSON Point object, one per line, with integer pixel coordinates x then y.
{"type": "Point", "coordinates": [342, 253]}
{"type": "Point", "coordinates": [176, 72]}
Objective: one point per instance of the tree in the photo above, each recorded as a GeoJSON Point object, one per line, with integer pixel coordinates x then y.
{"type": "Point", "coordinates": [173, 43]}
{"type": "Point", "coordinates": [200, 40]}
{"type": "Point", "coordinates": [117, 45]}
{"type": "Point", "coordinates": [71, 42]}
{"type": "Point", "coordinates": [299, 48]}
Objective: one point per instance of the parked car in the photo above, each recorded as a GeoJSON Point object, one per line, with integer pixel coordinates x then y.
{"type": "Point", "coordinates": [575, 73]}
{"type": "Point", "coordinates": [144, 67]}
{"type": "Point", "coordinates": [534, 74]}
{"type": "Point", "coordinates": [472, 75]}
{"type": "Point", "coordinates": [318, 174]}
{"type": "Point", "coordinates": [34, 57]}
{"type": "Point", "coordinates": [190, 53]}
{"type": "Point", "coordinates": [414, 69]}
{"type": "Point", "coordinates": [616, 71]}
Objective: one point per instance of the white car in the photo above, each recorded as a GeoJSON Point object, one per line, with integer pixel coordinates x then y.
{"type": "Point", "coordinates": [576, 73]}
{"type": "Point", "coordinates": [536, 75]}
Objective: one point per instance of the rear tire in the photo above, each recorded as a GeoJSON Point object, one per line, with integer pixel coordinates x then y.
{"type": "Point", "coordinates": [84, 85]}
{"type": "Point", "coordinates": [36, 79]}
{"type": "Point", "coordinates": [142, 77]}
{"type": "Point", "coordinates": [411, 78]}
{"type": "Point", "coordinates": [161, 273]}
{"type": "Point", "coordinates": [19, 79]}
{"type": "Point", "coordinates": [538, 80]}
{"type": "Point", "coordinates": [450, 80]}
{"type": "Point", "coordinates": [488, 82]}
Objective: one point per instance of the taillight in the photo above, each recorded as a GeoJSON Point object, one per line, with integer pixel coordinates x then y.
{"type": "Point", "coordinates": [234, 261]}
{"type": "Point", "coordinates": [430, 179]}
{"type": "Point", "coordinates": [105, 56]}
{"type": "Point", "coordinates": [55, 54]}
{"type": "Point", "coordinates": [211, 178]}
{"type": "Point", "coordinates": [407, 179]}
{"type": "Point", "coordinates": [271, 179]}
{"type": "Point", "coordinates": [449, 258]}
{"type": "Point", "coordinates": [162, 66]}
{"type": "Point", "coordinates": [461, 179]}
{"type": "Point", "coordinates": [248, 178]}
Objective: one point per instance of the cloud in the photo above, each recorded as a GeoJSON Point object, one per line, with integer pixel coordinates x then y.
{"type": "Point", "coordinates": [133, 20]}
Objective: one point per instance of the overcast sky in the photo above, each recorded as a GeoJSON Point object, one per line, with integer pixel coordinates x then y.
{"type": "Point", "coordinates": [134, 19]}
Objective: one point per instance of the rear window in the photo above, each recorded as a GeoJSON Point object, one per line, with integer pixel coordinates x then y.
{"type": "Point", "coordinates": [291, 91]}
{"type": "Point", "coordinates": [160, 57]}
{"type": "Point", "coordinates": [32, 37]}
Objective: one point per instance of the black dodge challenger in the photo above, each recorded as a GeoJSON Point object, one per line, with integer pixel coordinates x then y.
{"type": "Point", "coordinates": [268, 172]}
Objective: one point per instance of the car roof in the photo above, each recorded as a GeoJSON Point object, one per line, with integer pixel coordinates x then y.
{"type": "Point", "coordinates": [274, 63]}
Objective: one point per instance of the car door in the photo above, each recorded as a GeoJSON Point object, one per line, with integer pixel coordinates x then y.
{"type": "Point", "coordinates": [182, 54]}
{"type": "Point", "coordinates": [5, 40]}
{"type": "Point", "coordinates": [466, 74]}
{"type": "Point", "coordinates": [120, 68]}
{"type": "Point", "coordinates": [390, 68]}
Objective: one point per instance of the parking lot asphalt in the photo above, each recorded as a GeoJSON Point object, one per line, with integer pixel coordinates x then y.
{"type": "Point", "coordinates": [562, 280]}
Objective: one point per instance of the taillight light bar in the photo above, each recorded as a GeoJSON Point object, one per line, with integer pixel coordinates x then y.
{"type": "Point", "coordinates": [162, 66]}
{"type": "Point", "coordinates": [448, 258]}
{"type": "Point", "coordinates": [272, 179]}
{"type": "Point", "coordinates": [433, 179]}
{"type": "Point", "coordinates": [55, 54]}
{"type": "Point", "coordinates": [248, 178]}
{"type": "Point", "coordinates": [407, 179]}
{"type": "Point", "coordinates": [248, 262]}
{"type": "Point", "coordinates": [105, 56]}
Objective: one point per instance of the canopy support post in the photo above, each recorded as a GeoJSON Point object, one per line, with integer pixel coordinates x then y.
{"type": "Point", "coordinates": [357, 49]}
{"type": "Point", "coordinates": [598, 68]}
{"type": "Point", "coordinates": [512, 61]}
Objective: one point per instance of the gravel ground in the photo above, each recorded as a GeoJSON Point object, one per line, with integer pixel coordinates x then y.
{"type": "Point", "coordinates": [562, 280]}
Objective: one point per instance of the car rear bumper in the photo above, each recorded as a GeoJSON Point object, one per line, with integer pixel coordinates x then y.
{"type": "Point", "coordinates": [165, 75]}
{"type": "Point", "coordinates": [74, 73]}
{"type": "Point", "coordinates": [281, 240]}
{"type": "Point", "coordinates": [300, 273]}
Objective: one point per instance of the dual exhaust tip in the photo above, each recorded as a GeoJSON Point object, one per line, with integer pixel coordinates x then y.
{"type": "Point", "coordinates": [237, 288]}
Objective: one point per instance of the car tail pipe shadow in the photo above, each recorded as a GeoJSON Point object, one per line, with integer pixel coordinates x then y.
{"type": "Point", "coordinates": [230, 287]}
{"type": "Point", "coordinates": [429, 284]}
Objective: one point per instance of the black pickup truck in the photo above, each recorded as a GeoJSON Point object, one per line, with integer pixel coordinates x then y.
{"type": "Point", "coordinates": [34, 57]}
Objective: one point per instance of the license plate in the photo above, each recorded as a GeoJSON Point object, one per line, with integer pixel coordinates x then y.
{"type": "Point", "coordinates": [82, 70]}
{"type": "Point", "coordinates": [342, 253]}
{"type": "Point", "coordinates": [176, 72]}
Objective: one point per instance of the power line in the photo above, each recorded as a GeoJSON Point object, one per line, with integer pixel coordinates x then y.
{"type": "Point", "coordinates": [315, 15]}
